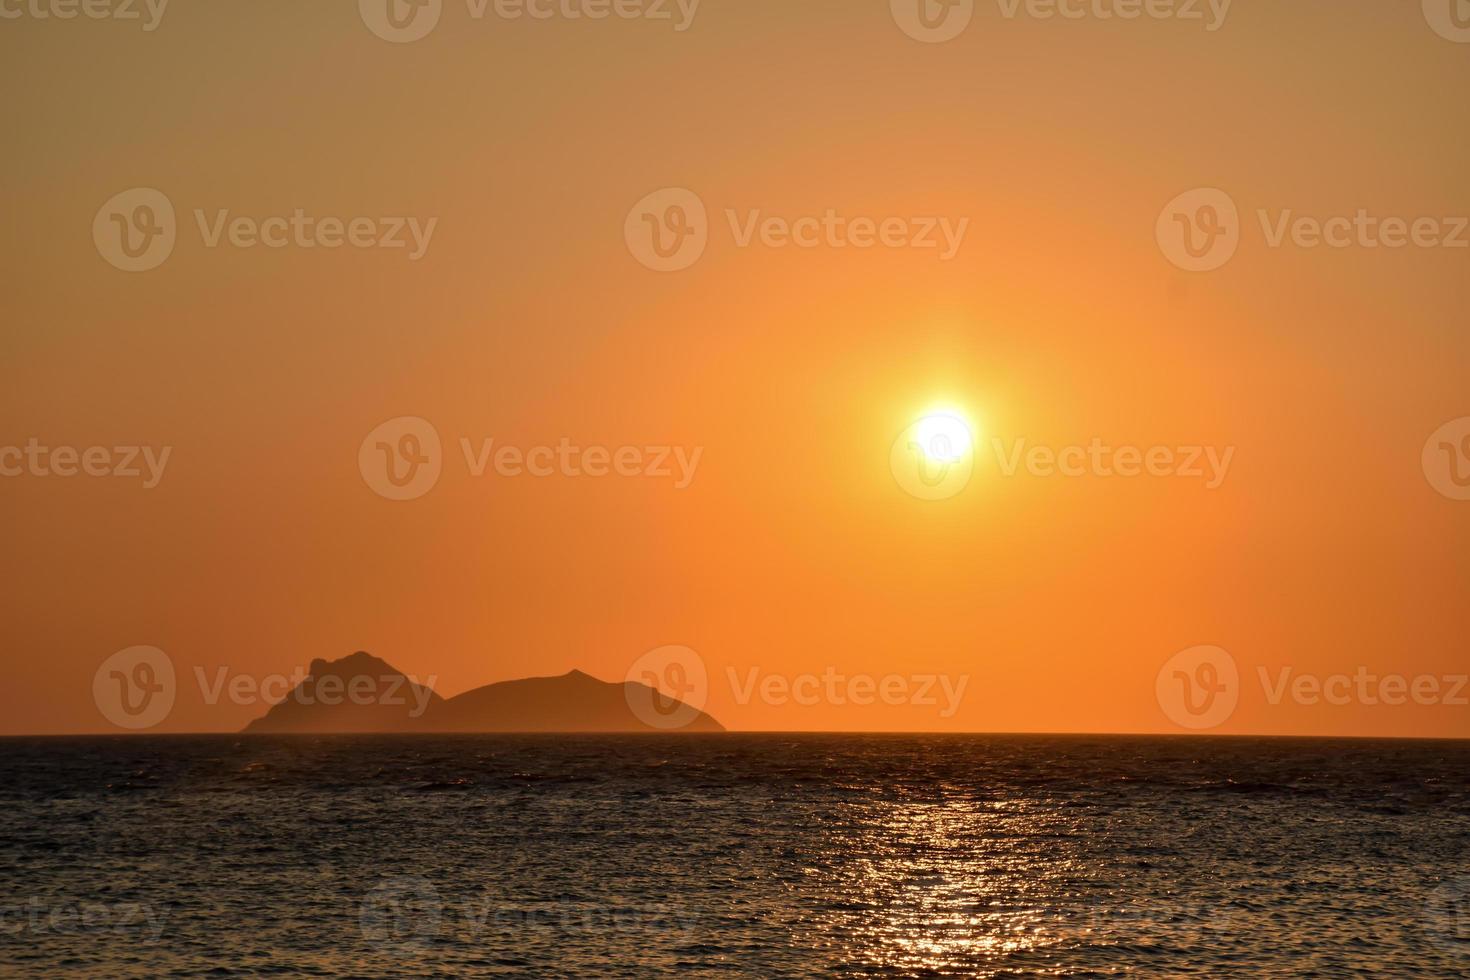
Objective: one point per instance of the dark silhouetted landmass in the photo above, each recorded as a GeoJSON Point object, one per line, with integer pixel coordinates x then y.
{"type": "Point", "coordinates": [361, 694]}
{"type": "Point", "coordinates": [573, 702]}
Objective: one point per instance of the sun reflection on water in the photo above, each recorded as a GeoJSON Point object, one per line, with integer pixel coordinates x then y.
{"type": "Point", "coordinates": [949, 888]}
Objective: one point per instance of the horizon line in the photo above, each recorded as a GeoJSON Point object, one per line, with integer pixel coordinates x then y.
{"type": "Point", "coordinates": [729, 732]}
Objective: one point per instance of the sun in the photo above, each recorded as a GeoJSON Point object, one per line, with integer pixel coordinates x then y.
{"type": "Point", "coordinates": [943, 436]}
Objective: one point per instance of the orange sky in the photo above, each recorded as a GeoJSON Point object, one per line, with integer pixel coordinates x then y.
{"type": "Point", "coordinates": [793, 549]}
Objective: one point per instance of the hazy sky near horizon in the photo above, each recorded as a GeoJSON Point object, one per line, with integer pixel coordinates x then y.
{"type": "Point", "coordinates": [1060, 320]}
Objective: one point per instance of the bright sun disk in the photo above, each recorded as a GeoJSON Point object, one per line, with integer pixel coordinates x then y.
{"type": "Point", "coordinates": [943, 437]}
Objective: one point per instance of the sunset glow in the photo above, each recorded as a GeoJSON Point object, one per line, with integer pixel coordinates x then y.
{"type": "Point", "coordinates": [735, 488]}
{"type": "Point", "coordinates": [960, 368]}
{"type": "Point", "coordinates": [944, 436]}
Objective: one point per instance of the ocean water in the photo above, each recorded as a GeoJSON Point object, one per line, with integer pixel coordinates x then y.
{"type": "Point", "coordinates": [733, 856]}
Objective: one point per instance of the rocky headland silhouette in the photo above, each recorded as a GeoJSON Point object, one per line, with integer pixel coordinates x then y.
{"type": "Point", "coordinates": [362, 694]}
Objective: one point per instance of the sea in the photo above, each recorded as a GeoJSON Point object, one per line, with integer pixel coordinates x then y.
{"type": "Point", "coordinates": [759, 855]}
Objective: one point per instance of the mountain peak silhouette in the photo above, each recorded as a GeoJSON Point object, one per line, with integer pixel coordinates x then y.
{"type": "Point", "coordinates": [362, 693]}
{"type": "Point", "coordinates": [357, 693]}
{"type": "Point", "coordinates": [360, 660]}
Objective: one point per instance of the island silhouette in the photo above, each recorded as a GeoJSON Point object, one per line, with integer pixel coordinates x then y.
{"type": "Point", "coordinates": [362, 694]}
